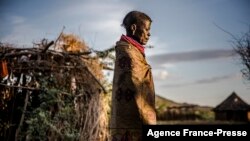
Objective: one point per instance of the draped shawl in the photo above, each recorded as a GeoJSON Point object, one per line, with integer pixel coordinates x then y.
{"type": "Point", "coordinates": [133, 95]}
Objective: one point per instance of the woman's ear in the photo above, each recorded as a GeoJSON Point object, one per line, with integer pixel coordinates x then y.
{"type": "Point", "coordinates": [133, 28]}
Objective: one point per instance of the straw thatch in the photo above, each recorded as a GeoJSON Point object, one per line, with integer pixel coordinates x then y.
{"type": "Point", "coordinates": [52, 91]}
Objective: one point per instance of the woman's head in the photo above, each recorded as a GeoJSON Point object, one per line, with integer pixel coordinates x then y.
{"type": "Point", "coordinates": [137, 25]}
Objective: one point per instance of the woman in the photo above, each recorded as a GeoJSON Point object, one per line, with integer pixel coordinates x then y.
{"type": "Point", "coordinates": [133, 95]}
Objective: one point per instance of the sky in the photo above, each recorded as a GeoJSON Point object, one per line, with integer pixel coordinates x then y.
{"type": "Point", "coordinates": [192, 58]}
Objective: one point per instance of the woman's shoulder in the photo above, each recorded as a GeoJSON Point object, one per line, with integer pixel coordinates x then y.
{"type": "Point", "coordinates": [123, 47]}
{"type": "Point", "coordinates": [122, 43]}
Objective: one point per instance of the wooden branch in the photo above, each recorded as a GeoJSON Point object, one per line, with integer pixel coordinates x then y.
{"type": "Point", "coordinates": [19, 54]}
{"type": "Point", "coordinates": [32, 89]}
{"type": "Point", "coordinates": [34, 52]}
{"type": "Point", "coordinates": [108, 68]}
{"type": "Point", "coordinates": [9, 49]}
{"type": "Point", "coordinates": [98, 82]}
{"type": "Point", "coordinates": [47, 46]}
{"type": "Point", "coordinates": [78, 53]}
{"type": "Point", "coordinates": [22, 87]}
{"type": "Point", "coordinates": [59, 37]}
{"type": "Point", "coordinates": [22, 117]}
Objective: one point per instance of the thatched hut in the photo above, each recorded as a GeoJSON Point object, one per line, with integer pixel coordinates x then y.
{"type": "Point", "coordinates": [233, 108]}
{"type": "Point", "coordinates": [52, 93]}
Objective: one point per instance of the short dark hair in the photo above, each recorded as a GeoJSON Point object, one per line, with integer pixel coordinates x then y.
{"type": "Point", "coordinates": [134, 17]}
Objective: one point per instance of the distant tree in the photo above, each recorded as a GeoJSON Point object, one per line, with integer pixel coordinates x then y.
{"type": "Point", "coordinates": [242, 47]}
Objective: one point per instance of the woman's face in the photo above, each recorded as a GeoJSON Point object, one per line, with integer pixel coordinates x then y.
{"type": "Point", "coordinates": [142, 32]}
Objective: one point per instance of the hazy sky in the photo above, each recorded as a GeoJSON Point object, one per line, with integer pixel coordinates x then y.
{"type": "Point", "coordinates": [192, 59]}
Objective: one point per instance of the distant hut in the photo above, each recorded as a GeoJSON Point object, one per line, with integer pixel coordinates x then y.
{"type": "Point", "coordinates": [232, 108]}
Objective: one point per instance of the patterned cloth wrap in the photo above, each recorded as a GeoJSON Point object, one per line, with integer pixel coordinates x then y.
{"type": "Point", "coordinates": [133, 95]}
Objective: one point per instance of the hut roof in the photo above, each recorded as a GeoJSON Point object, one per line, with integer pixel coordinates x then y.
{"type": "Point", "coordinates": [232, 103]}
